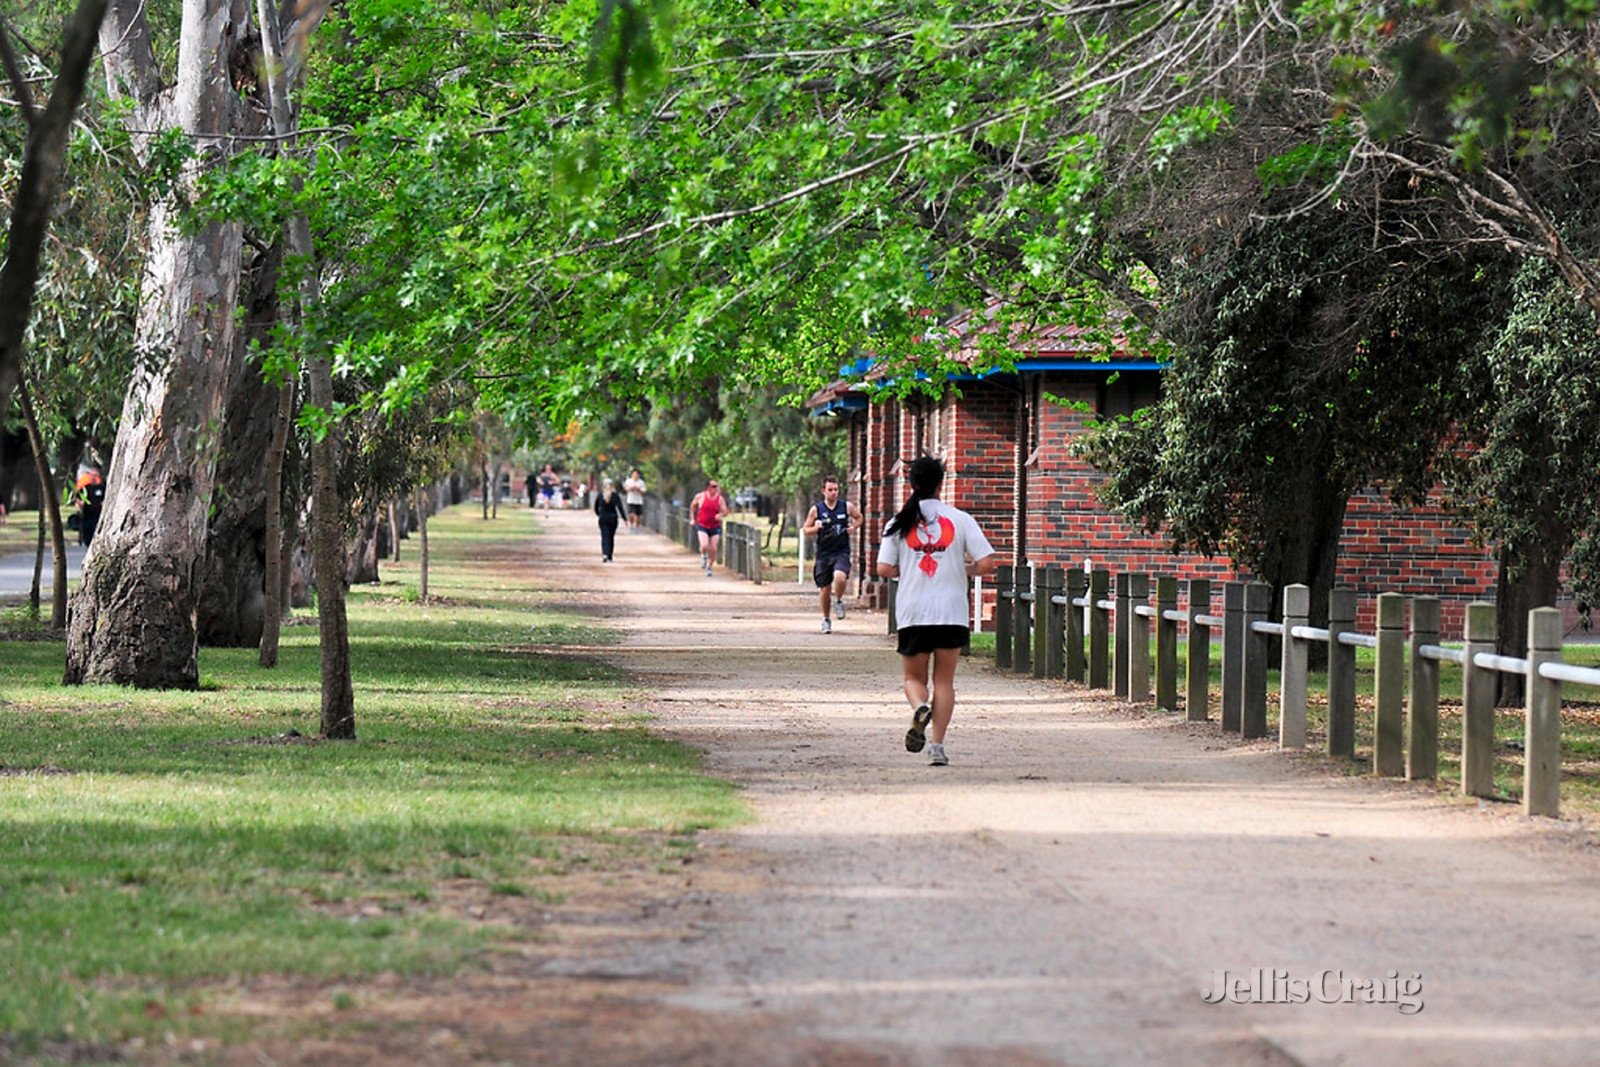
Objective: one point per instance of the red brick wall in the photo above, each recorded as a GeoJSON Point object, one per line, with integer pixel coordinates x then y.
{"type": "Point", "coordinates": [1384, 548]}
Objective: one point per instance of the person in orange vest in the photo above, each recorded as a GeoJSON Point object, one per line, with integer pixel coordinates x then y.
{"type": "Point", "coordinates": [90, 493]}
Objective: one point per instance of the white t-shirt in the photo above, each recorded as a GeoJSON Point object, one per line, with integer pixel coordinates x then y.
{"type": "Point", "coordinates": [932, 559]}
{"type": "Point", "coordinates": [633, 490]}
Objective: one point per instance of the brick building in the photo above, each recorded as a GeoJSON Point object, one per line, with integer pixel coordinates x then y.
{"type": "Point", "coordinates": [1005, 441]}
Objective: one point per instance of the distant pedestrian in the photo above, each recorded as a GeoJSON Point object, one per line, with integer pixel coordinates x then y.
{"type": "Point", "coordinates": [531, 484]}
{"type": "Point", "coordinates": [549, 482]}
{"type": "Point", "coordinates": [832, 520]}
{"type": "Point", "coordinates": [610, 509]}
{"type": "Point", "coordinates": [707, 509]}
{"type": "Point", "coordinates": [90, 492]}
{"type": "Point", "coordinates": [932, 549]}
{"type": "Point", "coordinates": [633, 490]}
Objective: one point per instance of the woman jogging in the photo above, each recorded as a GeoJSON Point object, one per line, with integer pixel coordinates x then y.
{"type": "Point", "coordinates": [707, 509]}
{"type": "Point", "coordinates": [932, 548]}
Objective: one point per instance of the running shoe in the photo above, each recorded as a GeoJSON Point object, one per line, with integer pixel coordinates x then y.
{"type": "Point", "coordinates": [838, 607]}
{"type": "Point", "coordinates": [827, 627]}
{"type": "Point", "coordinates": [917, 736]}
{"type": "Point", "coordinates": [936, 756]}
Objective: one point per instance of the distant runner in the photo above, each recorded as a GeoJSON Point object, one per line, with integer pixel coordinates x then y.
{"type": "Point", "coordinates": [832, 520]}
{"type": "Point", "coordinates": [633, 494]}
{"type": "Point", "coordinates": [707, 509]}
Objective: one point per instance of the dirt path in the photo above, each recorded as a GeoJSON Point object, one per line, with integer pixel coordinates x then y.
{"type": "Point", "coordinates": [1065, 890]}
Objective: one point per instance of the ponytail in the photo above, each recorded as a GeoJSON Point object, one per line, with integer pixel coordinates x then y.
{"type": "Point", "coordinates": [926, 476]}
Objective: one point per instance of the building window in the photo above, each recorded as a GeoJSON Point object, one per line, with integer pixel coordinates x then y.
{"type": "Point", "coordinates": [1126, 393]}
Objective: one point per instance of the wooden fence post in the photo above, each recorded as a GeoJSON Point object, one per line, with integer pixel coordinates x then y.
{"type": "Point", "coordinates": [1232, 654]}
{"type": "Point", "coordinates": [1253, 683]}
{"type": "Point", "coordinates": [1293, 665]}
{"type": "Point", "coordinates": [1166, 644]}
{"type": "Point", "coordinates": [890, 595]}
{"type": "Point", "coordinates": [1124, 641]}
{"type": "Point", "coordinates": [1541, 782]}
{"type": "Point", "coordinates": [1478, 687]}
{"type": "Point", "coordinates": [1197, 687]}
{"type": "Point", "coordinates": [1021, 618]}
{"type": "Point", "coordinates": [1077, 586]}
{"type": "Point", "coordinates": [1422, 725]}
{"type": "Point", "coordinates": [1341, 675]}
{"type": "Point", "coordinates": [1099, 630]}
{"type": "Point", "coordinates": [1138, 639]}
{"type": "Point", "coordinates": [1004, 615]}
{"type": "Point", "coordinates": [1044, 632]}
{"type": "Point", "coordinates": [1389, 688]}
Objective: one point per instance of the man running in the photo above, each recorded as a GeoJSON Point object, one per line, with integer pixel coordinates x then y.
{"type": "Point", "coordinates": [707, 509]}
{"type": "Point", "coordinates": [633, 494]}
{"type": "Point", "coordinates": [549, 482]}
{"type": "Point", "coordinates": [832, 521]}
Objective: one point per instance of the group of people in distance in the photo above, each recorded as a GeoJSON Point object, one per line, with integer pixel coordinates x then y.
{"type": "Point", "coordinates": [930, 548]}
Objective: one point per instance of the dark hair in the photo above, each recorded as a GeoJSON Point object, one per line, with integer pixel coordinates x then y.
{"type": "Point", "coordinates": [926, 476]}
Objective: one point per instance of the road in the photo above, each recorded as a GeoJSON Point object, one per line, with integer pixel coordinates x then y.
{"type": "Point", "coordinates": [16, 571]}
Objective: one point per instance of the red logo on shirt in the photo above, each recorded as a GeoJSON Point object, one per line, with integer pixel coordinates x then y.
{"type": "Point", "coordinates": [918, 540]}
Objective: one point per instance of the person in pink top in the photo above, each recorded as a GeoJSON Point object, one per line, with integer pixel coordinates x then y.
{"type": "Point", "coordinates": [706, 511]}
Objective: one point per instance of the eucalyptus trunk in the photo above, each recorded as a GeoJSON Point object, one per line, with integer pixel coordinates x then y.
{"type": "Point", "coordinates": [233, 598]}
{"type": "Point", "coordinates": [276, 579]}
{"type": "Point", "coordinates": [134, 617]}
{"type": "Point", "coordinates": [49, 505]}
{"type": "Point", "coordinates": [38, 569]}
{"type": "Point", "coordinates": [422, 535]}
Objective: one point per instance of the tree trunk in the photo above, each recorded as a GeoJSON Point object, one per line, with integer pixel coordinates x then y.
{"type": "Point", "coordinates": [38, 570]}
{"type": "Point", "coordinates": [43, 159]}
{"type": "Point", "coordinates": [362, 565]}
{"type": "Point", "coordinates": [134, 618]}
{"type": "Point", "coordinates": [484, 467]}
{"type": "Point", "coordinates": [233, 598]}
{"type": "Point", "coordinates": [1527, 579]}
{"type": "Point", "coordinates": [422, 534]}
{"type": "Point", "coordinates": [275, 582]}
{"type": "Point", "coordinates": [49, 501]}
{"type": "Point", "coordinates": [395, 532]}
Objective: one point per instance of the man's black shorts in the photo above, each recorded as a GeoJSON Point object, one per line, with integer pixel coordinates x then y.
{"type": "Point", "coordinates": [827, 563]}
{"type": "Point", "coordinates": [635, 509]}
{"type": "Point", "coordinates": [916, 640]}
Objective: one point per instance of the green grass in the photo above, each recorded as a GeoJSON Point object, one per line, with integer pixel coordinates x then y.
{"type": "Point", "coordinates": [1580, 728]}
{"type": "Point", "coordinates": [21, 532]}
{"type": "Point", "coordinates": [153, 841]}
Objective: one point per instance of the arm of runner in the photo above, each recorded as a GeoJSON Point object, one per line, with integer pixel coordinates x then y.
{"type": "Point", "coordinates": [889, 558]}
{"type": "Point", "coordinates": [809, 527]}
{"type": "Point", "coordinates": [857, 520]}
{"type": "Point", "coordinates": [982, 568]}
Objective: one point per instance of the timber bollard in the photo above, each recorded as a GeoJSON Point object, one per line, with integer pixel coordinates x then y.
{"type": "Point", "coordinates": [1138, 639]}
{"type": "Point", "coordinates": [1478, 692]}
{"type": "Point", "coordinates": [1257, 646]}
{"type": "Point", "coordinates": [1197, 683]}
{"type": "Point", "coordinates": [1047, 620]}
{"type": "Point", "coordinates": [1341, 675]}
{"type": "Point", "coordinates": [888, 605]}
{"type": "Point", "coordinates": [1166, 644]}
{"type": "Point", "coordinates": [1541, 781]}
{"type": "Point", "coordinates": [1232, 654]}
{"type": "Point", "coordinates": [1389, 688]}
{"type": "Point", "coordinates": [1293, 665]}
{"type": "Point", "coordinates": [1077, 588]}
{"type": "Point", "coordinates": [1021, 616]}
{"type": "Point", "coordinates": [1004, 589]}
{"type": "Point", "coordinates": [1124, 641]}
{"type": "Point", "coordinates": [1422, 725]}
{"type": "Point", "coordinates": [1099, 630]}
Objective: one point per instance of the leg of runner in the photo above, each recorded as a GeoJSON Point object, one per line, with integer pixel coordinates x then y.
{"type": "Point", "coordinates": [916, 688]}
{"type": "Point", "coordinates": [705, 549]}
{"type": "Point", "coordinates": [840, 578]}
{"type": "Point", "coordinates": [945, 661]}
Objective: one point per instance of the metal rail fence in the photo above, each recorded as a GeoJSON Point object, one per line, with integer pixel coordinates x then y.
{"type": "Point", "coordinates": [739, 548]}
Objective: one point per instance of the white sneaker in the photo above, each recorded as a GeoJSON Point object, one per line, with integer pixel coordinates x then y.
{"type": "Point", "coordinates": [827, 626]}
{"type": "Point", "coordinates": [936, 756]}
{"type": "Point", "coordinates": [838, 608]}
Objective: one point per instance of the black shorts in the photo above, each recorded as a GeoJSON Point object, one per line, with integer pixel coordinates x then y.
{"type": "Point", "coordinates": [709, 531]}
{"type": "Point", "coordinates": [635, 509]}
{"type": "Point", "coordinates": [827, 564]}
{"type": "Point", "coordinates": [917, 640]}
